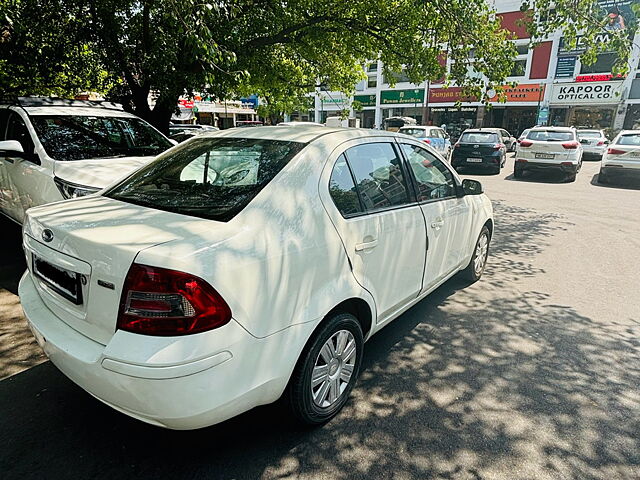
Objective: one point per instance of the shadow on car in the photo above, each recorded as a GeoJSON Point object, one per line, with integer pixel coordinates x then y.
{"type": "Point", "coordinates": [617, 182]}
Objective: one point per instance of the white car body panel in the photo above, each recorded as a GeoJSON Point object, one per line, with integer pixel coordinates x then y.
{"type": "Point", "coordinates": [630, 159]}
{"type": "Point", "coordinates": [282, 265]}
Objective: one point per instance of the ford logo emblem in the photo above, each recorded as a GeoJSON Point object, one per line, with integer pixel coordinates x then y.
{"type": "Point", "coordinates": [47, 235]}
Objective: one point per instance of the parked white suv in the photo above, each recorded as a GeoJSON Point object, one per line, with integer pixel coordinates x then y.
{"type": "Point", "coordinates": [52, 149]}
{"type": "Point", "coordinates": [244, 265]}
{"type": "Point", "coordinates": [622, 157]}
{"type": "Point", "coordinates": [546, 148]}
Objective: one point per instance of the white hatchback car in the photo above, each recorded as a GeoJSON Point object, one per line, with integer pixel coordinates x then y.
{"type": "Point", "coordinates": [622, 157]}
{"type": "Point", "coordinates": [244, 265]}
{"type": "Point", "coordinates": [547, 148]}
{"type": "Point", "coordinates": [53, 149]}
{"type": "Point", "coordinates": [594, 143]}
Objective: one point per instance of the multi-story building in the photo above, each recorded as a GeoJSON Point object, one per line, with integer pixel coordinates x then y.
{"type": "Point", "coordinates": [554, 88]}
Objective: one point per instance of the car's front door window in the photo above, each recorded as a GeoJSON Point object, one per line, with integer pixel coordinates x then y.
{"type": "Point", "coordinates": [433, 178]}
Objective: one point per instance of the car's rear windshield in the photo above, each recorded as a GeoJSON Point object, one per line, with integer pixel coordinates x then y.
{"type": "Point", "coordinates": [80, 137]}
{"type": "Point", "coordinates": [478, 137]}
{"type": "Point", "coordinates": [212, 178]}
{"type": "Point", "coordinates": [550, 136]}
{"type": "Point", "coordinates": [589, 134]}
{"type": "Point", "coordinates": [414, 132]}
{"type": "Point", "coordinates": [629, 139]}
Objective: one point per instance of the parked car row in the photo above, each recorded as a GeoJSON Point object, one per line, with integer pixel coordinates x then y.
{"type": "Point", "coordinates": [233, 269]}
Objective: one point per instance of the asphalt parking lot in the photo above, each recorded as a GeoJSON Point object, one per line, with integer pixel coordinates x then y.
{"type": "Point", "coordinates": [531, 373]}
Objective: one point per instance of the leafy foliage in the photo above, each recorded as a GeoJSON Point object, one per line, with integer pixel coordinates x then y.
{"type": "Point", "coordinates": [280, 50]}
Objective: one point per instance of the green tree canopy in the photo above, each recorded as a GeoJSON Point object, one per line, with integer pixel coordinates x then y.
{"type": "Point", "coordinates": [276, 49]}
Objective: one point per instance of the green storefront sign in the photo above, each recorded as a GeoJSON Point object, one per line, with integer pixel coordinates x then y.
{"type": "Point", "coordinates": [365, 100]}
{"type": "Point", "coordinates": [414, 95]}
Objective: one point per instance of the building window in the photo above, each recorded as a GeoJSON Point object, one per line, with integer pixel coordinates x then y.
{"type": "Point", "coordinates": [519, 68]}
{"type": "Point", "coordinates": [373, 67]}
{"type": "Point", "coordinates": [523, 49]}
{"type": "Point", "coordinates": [372, 82]}
{"type": "Point", "coordinates": [397, 78]}
{"type": "Point", "coordinates": [604, 64]}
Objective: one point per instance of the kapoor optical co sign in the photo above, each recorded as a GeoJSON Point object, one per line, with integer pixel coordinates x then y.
{"type": "Point", "coordinates": [581, 93]}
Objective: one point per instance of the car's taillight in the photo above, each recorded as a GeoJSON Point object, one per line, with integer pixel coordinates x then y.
{"type": "Point", "coordinates": [163, 302]}
{"type": "Point", "coordinates": [427, 140]}
{"type": "Point", "coordinates": [526, 143]}
{"type": "Point", "coordinates": [570, 145]}
{"type": "Point", "coordinates": [498, 146]}
{"type": "Point", "coordinates": [457, 145]}
{"type": "Point", "coordinates": [601, 142]}
{"type": "Point", "coordinates": [615, 151]}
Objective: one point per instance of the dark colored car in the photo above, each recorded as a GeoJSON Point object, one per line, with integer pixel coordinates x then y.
{"type": "Point", "coordinates": [481, 149]}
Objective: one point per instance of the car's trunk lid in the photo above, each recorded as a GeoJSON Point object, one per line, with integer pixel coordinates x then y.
{"type": "Point", "coordinates": [88, 245]}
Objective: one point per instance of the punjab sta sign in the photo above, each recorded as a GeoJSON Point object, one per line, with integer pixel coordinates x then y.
{"type": "Point", "coordinates": [586, 93]}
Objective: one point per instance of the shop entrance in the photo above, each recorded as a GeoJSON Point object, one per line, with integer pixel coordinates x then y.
{"type": "Point", "coordinates": [591, 117]}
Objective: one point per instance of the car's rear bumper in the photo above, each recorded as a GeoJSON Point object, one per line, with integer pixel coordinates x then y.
{"type": "Point", "coordinates": [492, 161]}
{"type": "Point", "coordinates": [179, 395]}
{"type": "Point", "coordinates": [567, 167]}
{"type": "Point", "coordinates": [592, 154]}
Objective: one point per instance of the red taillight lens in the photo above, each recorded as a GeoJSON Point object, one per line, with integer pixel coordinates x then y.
{"type": "Point", "coordinates": [498, 146]}
{"type": "Point", "coordinates": [526, 143]}
{"type": "Point", "coordinates": [163, 302]}
{"type": "Point", "coordinates": [427, 140]}
{"type": "Point", "coordinates": [615, 151]}
{"type": "Point", "coordinates": [601, 142]}
{"type": "Point", "coordinates": [570, 145]}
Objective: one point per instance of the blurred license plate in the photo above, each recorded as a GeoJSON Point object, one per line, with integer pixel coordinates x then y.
{"type": "Point", "coordinates": [549, 156]}
{"type": "Point", "coordinates": [60, 280]}
{"type": "Point", "coordinates": [474, 160]}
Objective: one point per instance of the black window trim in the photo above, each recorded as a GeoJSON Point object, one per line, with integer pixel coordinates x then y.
{"type": "Point", "coordinates": [403, 166]}
{"type": "Point", "coordinates": [414, 182]}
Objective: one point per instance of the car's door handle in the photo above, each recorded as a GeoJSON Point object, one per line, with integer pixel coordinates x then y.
{"type": "Point", "coordinates": [437, 224]}
{"type": "Point", "coordinates": [366, 245]}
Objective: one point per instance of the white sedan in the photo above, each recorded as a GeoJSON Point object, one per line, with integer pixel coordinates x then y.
{"type": "Point", "coordinates": [246, 265]}
{"type": "Point", "coordinates": [622, 158]}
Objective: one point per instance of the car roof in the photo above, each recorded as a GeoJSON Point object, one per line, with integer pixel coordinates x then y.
{"type": "Point", "coordinates": [482, 130]}
{"type": "Point", "coordinates": [629, 132]}
{"type": "Point", "coordinates": [78, 111]}
{"type": "Point", "coordinates": [306, 134]}
{"type": "Point", "coordinates": [557, 129]}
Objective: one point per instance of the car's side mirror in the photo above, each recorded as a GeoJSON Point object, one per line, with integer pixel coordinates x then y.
{"type": "Point", "coordinates": [471, 187]}
{"type": "Point", "coordinates": [11, 148]}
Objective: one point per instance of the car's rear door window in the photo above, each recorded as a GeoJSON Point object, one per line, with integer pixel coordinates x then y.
{"type": "Point", "coordinates": [212, 178]}
{"type": "Point", "coordinates": [379, 176]}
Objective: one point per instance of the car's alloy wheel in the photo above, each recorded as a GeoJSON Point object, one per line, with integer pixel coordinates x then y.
{"type": "Point", "coordinates": [333, 368]}
{"type": "Point", "coordinates": [326, 370]}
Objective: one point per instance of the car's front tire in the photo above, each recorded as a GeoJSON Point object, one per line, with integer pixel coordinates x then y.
{"type": "Point", "coordinates": [326, 371]}
{"type": "Point", "coordinates": [478, 261]}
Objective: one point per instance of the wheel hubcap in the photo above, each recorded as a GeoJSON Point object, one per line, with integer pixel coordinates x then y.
{"type": "Point", "coordinates": [480, 257]}
{"type": "Point", "coordinates": [333, 368]}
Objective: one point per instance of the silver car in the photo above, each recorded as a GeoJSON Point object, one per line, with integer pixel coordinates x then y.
{"type": "Point", "coordinates": [594, 143]}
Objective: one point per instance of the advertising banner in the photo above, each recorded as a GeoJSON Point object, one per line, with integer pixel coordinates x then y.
{"type": "Point", "coordinates": [365, 100]}
{"type": "Point", "coordinates": [531, 92]}
{"type": "Point", "coordinates": [413, 95]}
{"type": "Point", "coordinates": [582, 93]}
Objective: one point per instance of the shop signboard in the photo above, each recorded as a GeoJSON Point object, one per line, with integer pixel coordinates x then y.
{"type": "Point", "coordinates": [598, 77]}
{"type": "Point", "coordinates": [566, 66]}
{"type": "Point", "coordinates": [531, 92]}
{"type": "Point", "coordinates": [584, 93]}
{"type": "Point", "coordinates": [365, 100]}
{"type": "Point", "coordinates": [412, 95]}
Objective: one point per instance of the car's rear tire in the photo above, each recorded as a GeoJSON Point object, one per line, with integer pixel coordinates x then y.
{"type": "Point", "coordinates": [478, 261]}
{"type": "Point", "coordinates": [326, 371]}
{"type": "Point", "coordinates": [602, 178]}
{"type": "Point", "coordinates": [517, 172]}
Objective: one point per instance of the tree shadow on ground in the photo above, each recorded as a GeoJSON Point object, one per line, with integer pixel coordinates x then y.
{"type": "Point", "coordinates": [480, 381]}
